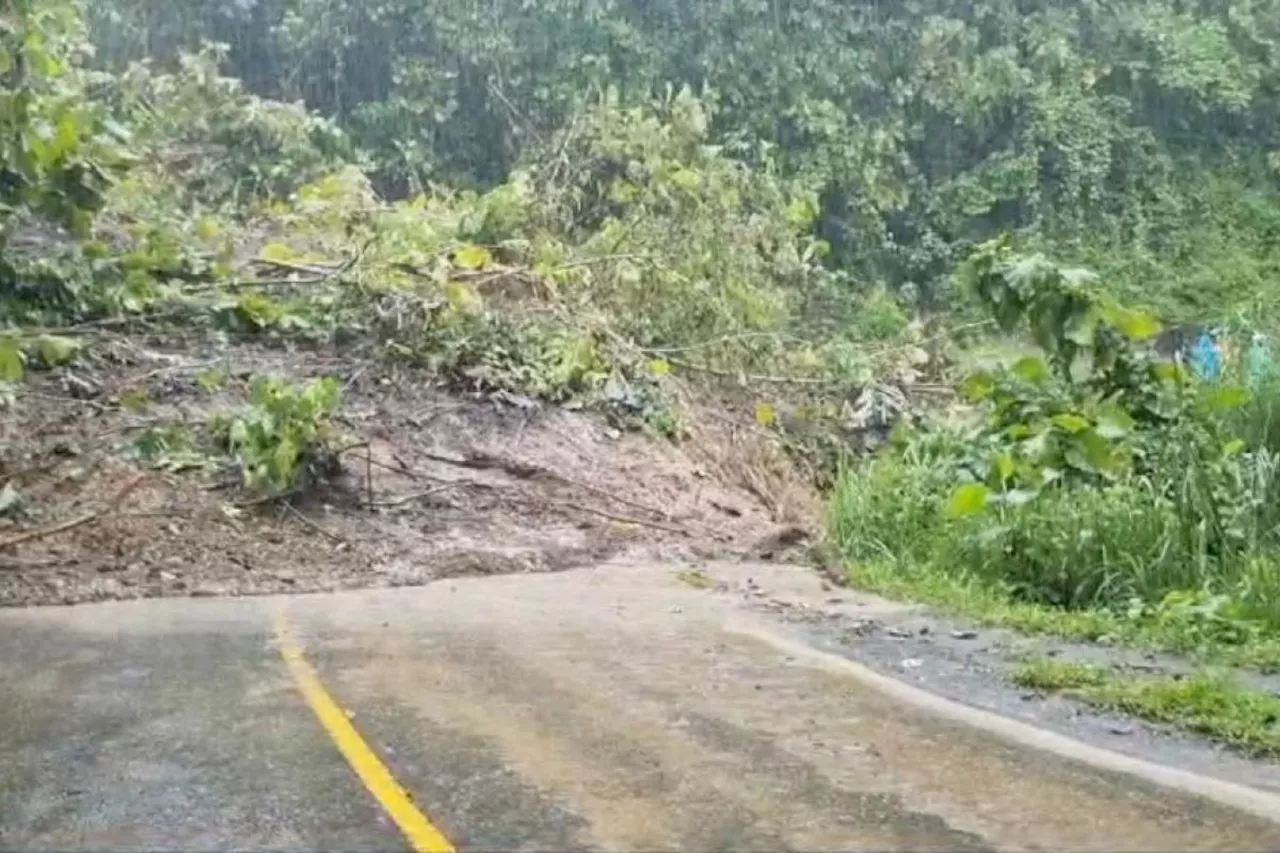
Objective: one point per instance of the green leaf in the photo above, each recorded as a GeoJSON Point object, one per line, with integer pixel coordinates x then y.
{"type": "Point", "coordinates": [462, 297]}
{"type": "Point", "coordinates": [211, 381]}
{"type": "Point", "coordinates": [1072, 423]}
{"type": "Point", "coordinates": [802, 213]}
{"type": "Point", "coordinates": [207, 228]}
{"type": "Point", "coordinates": [11, 361]}
{"type": "Point", "coordinates": [1101, 455]}
{"type": "Point", "coordinates": [1134, 325]}
{"type": "Point", "coordinates": [624, 192]}
{"type": "Point", "coordinates": [969, 499]}
{"type": "Point", "coordinates": [1114, 422]}
{"type": "Point", "coordinates": [766, 414]}
{"type": "Point", "coordinates": [1170, 373]}
{"type": "Point", "coordinates": [1005, 467]}
{"type": "Point", "coordinates": [978, 386]}
{"type": "Point", "coordinates": [660, 367]}
{"type": "Point", "coordinates": [687, 180]}
{"type": "Point", "coordinates": [135, 401]}
{"type": "Point", "coordinates": [1032, 369]}
{"type": "Point", "coordinates": [273, 252]}
{"type": "Point", "coordinates": [472, 258]}
{"type": "Point", "coordinates": [1233, 448]}
{"type": "Point", "coordinates": [1226, 398]}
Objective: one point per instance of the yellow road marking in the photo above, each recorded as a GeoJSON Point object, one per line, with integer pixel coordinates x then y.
{"type": "Point", "coordinates": [394, 799]}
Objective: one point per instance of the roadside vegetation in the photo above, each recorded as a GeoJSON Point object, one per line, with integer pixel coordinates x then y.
{"type": "Point", "coordinates": [921, 255]}
{"type": "Point", "coordinates": [1208, 705]}
{"type": "Point", "coordinates": [1124, 500]}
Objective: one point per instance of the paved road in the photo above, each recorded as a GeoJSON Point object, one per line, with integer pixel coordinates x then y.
{"type": "Point", "coordinates": [608, 709]}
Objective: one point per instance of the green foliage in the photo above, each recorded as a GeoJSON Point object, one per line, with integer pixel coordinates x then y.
{"type": "Point", "coordinates": [173, 448]}
{"type": "Point", "coordinates": [1135, 547]}
{"type": "Point", "coordinates": [1058, 675]}
{"type": "Point", "coordinates": [1214, 706]}
{"type": "Point", "coordinates": [1046, 422]}
{"type": "Point", "coordinates": [1109, 481]}
{"type": "Point", "coordinates": [214, 142]}
{"type": "Point", "coordinates": [489, 351]}
{"type": "Point", "coordinates": [1138, 138]}
{"type": "Point", "coordinates": [284, 441]}
{"type": "Point", "coordinates": [705, 247]}
{"type": "Point", "coordinates": [39, 351]}
{"type": "Point", "coordinates": [55, 152]}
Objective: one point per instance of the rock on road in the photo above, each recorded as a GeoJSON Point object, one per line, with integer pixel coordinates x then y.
{"type": "Point", "coordinates": [613, 708]}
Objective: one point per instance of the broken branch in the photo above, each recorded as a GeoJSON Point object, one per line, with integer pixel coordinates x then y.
{"type": "Point", "coordinates": [622, 519]}
{"type": "Point", "coordinates": [331, 536]}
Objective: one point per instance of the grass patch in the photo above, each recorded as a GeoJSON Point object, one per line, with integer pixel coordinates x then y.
{"type": "Point", "coordinates": [1052, 675]}
{"type": "Point", "coordinates": [988, 605]}
{"type": "Point", "coordinates": [696, 578]}
{"type": "Point", "coordinates": [1246, 719]}
{"type": "Point", "coordinates": [1183, 560]}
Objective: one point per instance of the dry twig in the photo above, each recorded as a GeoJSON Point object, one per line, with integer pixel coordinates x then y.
{"type": "Point", "coordinates": [328, 534]}
{"type": "Point", "coordinates": [622, 519]}
{"type": "Point", "coordinates": [416, 496]}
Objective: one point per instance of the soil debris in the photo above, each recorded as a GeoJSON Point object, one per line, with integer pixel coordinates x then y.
{"type": "Point", "coordinates": [435, 484]}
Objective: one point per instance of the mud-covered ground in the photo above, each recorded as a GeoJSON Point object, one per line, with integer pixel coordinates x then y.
{"type": "Point", "coordinates": [437, 483]}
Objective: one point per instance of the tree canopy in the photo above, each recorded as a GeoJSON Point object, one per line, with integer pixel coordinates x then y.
{"type": "Point", "coordinates": [1140, 136]}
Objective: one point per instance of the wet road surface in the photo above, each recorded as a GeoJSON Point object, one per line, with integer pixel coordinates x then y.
{"type": "Point", "coordinates": [614, 708]}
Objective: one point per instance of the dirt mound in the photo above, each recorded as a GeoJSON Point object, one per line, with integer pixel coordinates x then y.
{"type": "Point", "coordinates": [438, 484]}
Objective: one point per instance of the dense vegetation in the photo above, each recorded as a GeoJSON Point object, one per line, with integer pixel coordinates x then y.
{"type": "Point", "coordinates": [1140, 138]}
{"type": "Point", "coordinates": [1092, 476]}
{"type": "Point", "coordinates": [579, 200]}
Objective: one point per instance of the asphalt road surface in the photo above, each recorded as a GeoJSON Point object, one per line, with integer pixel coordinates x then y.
{"type": "Point", "coordinates": [615, 708]}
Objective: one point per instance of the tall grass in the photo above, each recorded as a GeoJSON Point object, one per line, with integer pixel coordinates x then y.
{"type": "Point", "coordinates": [1196, 528]}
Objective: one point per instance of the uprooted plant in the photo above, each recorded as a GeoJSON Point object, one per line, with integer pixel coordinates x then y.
{"type": "Point", "coordinates": [283, 442]}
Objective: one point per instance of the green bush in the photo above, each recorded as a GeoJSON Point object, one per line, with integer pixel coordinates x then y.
{"type": "Point", "coordinates": [212, 140]}
{"type": "Point", "coordinates": [1074, 548]}
{"type": "Point", "coordinates": [1095, 477]}
{"type": "Point", "coordinates": [283, 442]}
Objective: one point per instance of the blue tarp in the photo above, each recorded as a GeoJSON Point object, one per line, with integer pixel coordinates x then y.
{"type": "Point", "coordinates": [1206, 358]}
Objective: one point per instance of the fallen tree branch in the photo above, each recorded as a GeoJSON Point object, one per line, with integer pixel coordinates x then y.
{"type": "Point", "coordinates": [318, 528]}
{"type": "Point", "coordinates": [416, 496]}
{"type": "Point", "coordinates": [523, 471]}
{"type": "Point", "coordinates": [79, 521]}
{"type": "Point", "coordinates": [601, 259]}
{"type": "Point", "coordinates": [725, 339]}
{"type": "Point", "coordinates": [751, 377]}
{"type": "Point", "coordinates": [488, 462]}
{"type": "Point", "coordinates": [310, 269]}
{"type": "Point", "coordinates": [622, 519]}
{"type": "Point", "coordinates": [320, 275]}
{"type": "Point", "coordinates": [608, 495]}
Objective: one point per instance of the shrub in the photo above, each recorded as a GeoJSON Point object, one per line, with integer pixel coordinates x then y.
{"type": "Point", "coordinates": [1095, 485]}
{"type": "Point", "coordinates": [283, 441]}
